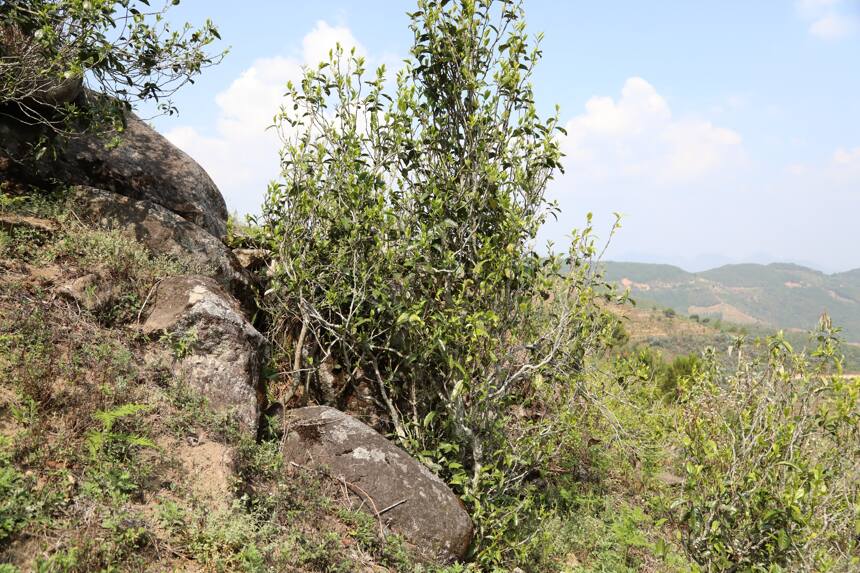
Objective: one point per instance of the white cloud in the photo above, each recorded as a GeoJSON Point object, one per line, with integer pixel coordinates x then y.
{"type": "Point", "coordinates": [829, 19]}
{"type": "Point", "coordinates": [323, 38]}
{"type": "Point", "coordinates": [831, 27]}
{"type": "Point", "coordinates": [636, 137]}
{"type": "Point", "coordinates": [844, 170]}
{"type": "Point", "coordinates": [242, 155]}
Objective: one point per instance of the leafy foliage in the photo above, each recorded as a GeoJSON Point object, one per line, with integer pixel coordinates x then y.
{"type": "Point", "coordinates": [124, 51]}
{"type": "Point", "coordinates": [771, 464]}
{"type": "Point", "coordinates": [99, 440]}
{"type": "Point", "coordinates": [403, 230]}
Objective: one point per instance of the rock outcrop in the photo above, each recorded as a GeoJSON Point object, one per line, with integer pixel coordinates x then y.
{"type": "Point", "coordinates": [142, 164]}
{"type": "Point", "coordinates": [403, 493]}
{"type": "Point", "coordinates": [218, 352]}
{"type": "Point", "coordinates": [164, 232]}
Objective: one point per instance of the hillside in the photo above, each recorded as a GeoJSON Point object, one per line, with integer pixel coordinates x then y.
{"type": "Point", "coordinates": [137, 426]}
{"type": "Point", "coordinates": [379, 373]}
{"type": "Point", "coordinates": [774, 296]}
{"type": "Point", "coordinates": [674, 335]}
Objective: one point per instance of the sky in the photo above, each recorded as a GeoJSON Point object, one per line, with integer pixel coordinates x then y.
{"type": "Point", "coordinates": [723, 131]}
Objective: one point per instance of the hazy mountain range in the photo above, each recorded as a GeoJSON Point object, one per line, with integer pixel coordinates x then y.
{"type": "Point", "coordinates": [779, 295]}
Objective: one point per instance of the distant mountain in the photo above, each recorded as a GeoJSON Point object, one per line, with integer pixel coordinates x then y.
{"type": "Point", "coordinates": [779, 295]}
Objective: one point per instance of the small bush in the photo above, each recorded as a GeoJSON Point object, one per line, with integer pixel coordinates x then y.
{"type": "Point", "coordinates": [771, 451]}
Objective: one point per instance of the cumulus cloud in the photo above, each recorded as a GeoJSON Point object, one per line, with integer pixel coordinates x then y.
{"type": "Point", "coordinates": [830, 19]}
{"type": "Point", "coordinates": [242, 155]}
{"type": "Point", "coordinates": [637, 137]}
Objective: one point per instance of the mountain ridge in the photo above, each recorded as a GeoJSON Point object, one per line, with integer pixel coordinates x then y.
{"type": "Point", "coordinates": [784, 296]}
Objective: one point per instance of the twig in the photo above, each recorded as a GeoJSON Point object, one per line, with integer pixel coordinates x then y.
{"type": "Point", "coordinates": [146, 300]}
{"type": "Point", "coordinates": [357, 490]}
{"type": "Point", "coordinates": [393, 505]}
{"type": "Point", "coordinates": [353, 487]}
{"type": "Point", "coordinates": [297, 364]}
{"type": "Point", "coordinates": [72, 211]}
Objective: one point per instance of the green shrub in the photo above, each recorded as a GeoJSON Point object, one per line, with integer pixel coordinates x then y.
{"type": "Point", "coordinates": [674, 378]}
{"type": "Point", "coordinates": [403, 232]}
{"type": "Point", "coordinates": [126, 52]}
{"type": "Point", "coordinates": [771, 454]}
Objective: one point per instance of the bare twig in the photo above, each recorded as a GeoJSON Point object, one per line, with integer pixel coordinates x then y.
{"type": "Point", "coordinates": [357, 490]}
{"type": "Point", "coordinates": [146, 300]}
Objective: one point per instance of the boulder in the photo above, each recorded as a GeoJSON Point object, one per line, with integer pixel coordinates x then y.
{"type": "Point", "coordinates": [403, 493]}
{"type": "Point", "coordinates": [140, 164]}
{"type": "Point", "coordinates": [217, 351]}
{"type": "Point", "coordinates": [166, 233]}
{"type": "Point", "coordinates": [60, 92]}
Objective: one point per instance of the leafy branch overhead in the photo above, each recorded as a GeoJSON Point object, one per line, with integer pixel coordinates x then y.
{"type": "Point", "coordinates": [124, 53]}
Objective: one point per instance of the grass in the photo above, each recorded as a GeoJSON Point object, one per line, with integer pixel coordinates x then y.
{"type": "Point", "coordinates": [95, 427]}
{"type": "Point", "coordinates": [96, 433]}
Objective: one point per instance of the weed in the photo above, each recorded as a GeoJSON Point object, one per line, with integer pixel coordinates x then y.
{"type": "Point", "coordinates": [182, 345]}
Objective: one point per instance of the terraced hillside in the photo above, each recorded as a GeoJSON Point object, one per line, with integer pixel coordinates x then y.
{"type": "Point", "coordinates": [775, 296]}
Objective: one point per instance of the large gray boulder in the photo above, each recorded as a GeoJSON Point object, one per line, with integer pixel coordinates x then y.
{"type": "Point", "coordinates": [140, 164]}
{"type": "Point", "coordinates": [144, 165]}
{"type": "Point", "coordinates": [164, 233]}
{"type": "Point", "coordinates": [217, 351]}
{"type": "Point", "coordinates": [411, 500]}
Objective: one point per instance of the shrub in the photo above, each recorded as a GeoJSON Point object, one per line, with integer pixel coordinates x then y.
{"type": "Point", "coordinates": [124, 51]}
{"type": "Point", "coordinates": [675, 378]}
{"type": "Point", "coordinates": [403, 231]}
{"type": "Point", "coordinates": [771, 453]}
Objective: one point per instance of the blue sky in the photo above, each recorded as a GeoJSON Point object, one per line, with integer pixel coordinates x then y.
{"type": "Point", "coordinates": [724, 131]}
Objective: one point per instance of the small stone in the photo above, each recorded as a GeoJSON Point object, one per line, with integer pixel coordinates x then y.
{"type": "Point", "coordinates": [90, 291]}
{"type": "Point", "coordinates": [253, 260]}
{"type": "Point", "coordinates": [9, 221]}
